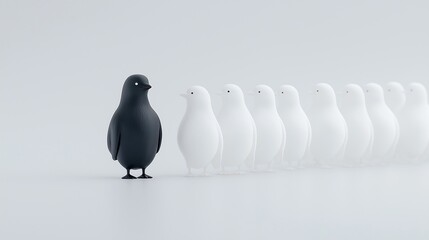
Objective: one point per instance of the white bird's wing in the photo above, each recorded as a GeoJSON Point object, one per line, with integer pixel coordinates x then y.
{"type": "Point", "coordinates": [340, 155]}
{"type": "Point", "coordinates": [280, 155]}
{"type": "Point", "coordinates": [217, 160]}
{"type": "Point", "coordinates": [392, 151]}
{"type": "Point", "coordinates": [250, 160]}
{"type": "Point", "coordinates": [367, 156]}
{"type": "Point", "coordinates": [307, 155]}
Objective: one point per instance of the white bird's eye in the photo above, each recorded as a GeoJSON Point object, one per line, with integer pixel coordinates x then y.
{"type": "Point", "coordinates": [192, 92]}
{"type": "Point", "coordinates": [259, 91]}
{"type": "Point", "coordinates": [411, 90]}
{"type": "Point", "coordinates": [347, 91]}
{"type": "Point", "coordinates": [282, 92]}
{"type": "Point", "coordinates": [317, 90]}
{"type": "Point", "coordinates": [228, 91]}
{"type": "Point", "coordinates": [388, 90]}
{"type": "Point", "coordinates": [136, 83]}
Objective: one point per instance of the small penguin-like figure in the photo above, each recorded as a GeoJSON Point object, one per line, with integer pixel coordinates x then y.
{"type": "Point", "coordinates": [238, 128]}
{"type": "Point", "coordinates": [395, 96]}
{"type": "Point", "coordinates": [329, 129]}
{"type": "Point", "coordinates": [200, 137]}
{"type": "Point", "coordinates": [414, 124]}
{"type": "Point", "coordinates": [271, 133]}
{"type": "Point", "coordinates": [384, 121]}
{"type": "Point", "coordinates": [360, 130]}
{"type": "Point", "coordinates": [135, 133]}
{"type": "Point", "coordinates": [297, 126]}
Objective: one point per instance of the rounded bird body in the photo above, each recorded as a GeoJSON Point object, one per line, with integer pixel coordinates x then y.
{"type": "Point", "coordinates": [199, 137]}
{"type": "Point", "coordinates": [360, 129]}
{"type": "Point", "coordinates": [297, 126]}
{"type": "Point", "coordinates": [384, 121]}
{"type": "Point", "coordinates": [414, 124]}
{"type": "Point", "coordinates": [238, 128]}
{"type": "Point", "coordinates": [329, 129]}
{"type": "Point", "coordinates": [271, 133]}
{"type": "Point", "coordinates": [135, 134]}
{"type": "Point", "coordinates": [136, 150]}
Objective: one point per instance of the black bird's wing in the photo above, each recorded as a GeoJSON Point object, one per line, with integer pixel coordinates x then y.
{"type": "Point", "coordinates": [114, 137]}
{"type": "Point", "coordinates": [159, 137]}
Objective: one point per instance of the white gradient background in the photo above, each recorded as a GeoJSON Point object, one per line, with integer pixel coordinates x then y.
{"type": "Point", "coordinates": [62, 66]}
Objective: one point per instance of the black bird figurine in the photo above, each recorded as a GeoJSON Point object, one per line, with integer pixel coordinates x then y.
{"type": "Point", "coordinates": [135, 134]}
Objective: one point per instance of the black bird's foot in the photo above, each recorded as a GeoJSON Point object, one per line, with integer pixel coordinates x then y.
{"type": "Point", "coordinates": [145, 176]}
{"type": "Point", "coordinates": [129, 176]}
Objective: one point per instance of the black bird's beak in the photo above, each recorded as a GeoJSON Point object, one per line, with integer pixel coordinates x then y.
{"type": "Point", "coordinates": [147, 86]}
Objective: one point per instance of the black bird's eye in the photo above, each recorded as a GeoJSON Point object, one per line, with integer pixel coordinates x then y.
{"type": "Point", "coordinates": [136, 83]}
{"type": "Point", "coordinates": [192, 92]}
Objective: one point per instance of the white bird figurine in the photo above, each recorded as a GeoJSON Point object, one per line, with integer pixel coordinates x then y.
{"type": "Point", "coordinates": [199, 137]}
